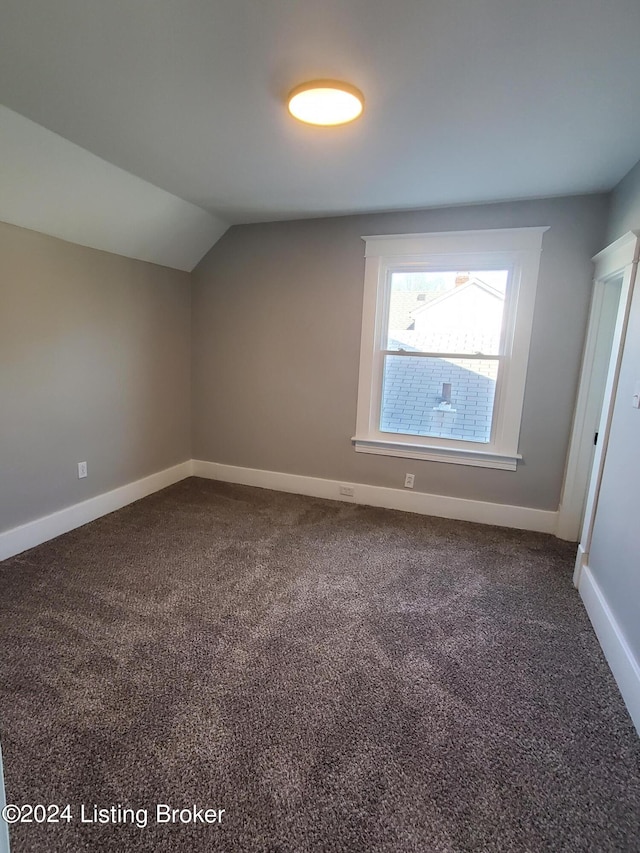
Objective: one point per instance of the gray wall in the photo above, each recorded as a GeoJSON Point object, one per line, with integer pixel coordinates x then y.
{"type": "Point", "coordinates": [94, 365]}
{"type": "Point", "coordinates": [625, 205]}
{"type": "Point", "coordinates": [276, 336]}
{"type": "Point", "coordinates": [614, 556]}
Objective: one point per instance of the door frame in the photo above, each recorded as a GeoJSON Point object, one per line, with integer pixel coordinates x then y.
{"type": "Point", "coordinates": [618, 260]}
{"type": "Point", "coordinates": [593, 374]}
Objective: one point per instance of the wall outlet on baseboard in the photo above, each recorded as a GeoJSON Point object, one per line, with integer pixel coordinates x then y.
{"type": "Point", "coordinates": [347, 491]}
{"type": "Point", "coordinates": [409, 480]}
{"type": "Point", "coordinates": [82, 470]}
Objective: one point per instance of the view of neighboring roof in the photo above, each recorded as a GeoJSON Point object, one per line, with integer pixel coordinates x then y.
{"type": "Point", "coordinates": [445, 325]}
{"type": "Point", "coordinates": [457, 291]}
{"type": "Point", "coordinates": [463, 319]}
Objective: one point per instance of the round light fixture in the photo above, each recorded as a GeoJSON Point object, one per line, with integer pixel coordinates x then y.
{"type": "Point", "coordinates": [326, 102]}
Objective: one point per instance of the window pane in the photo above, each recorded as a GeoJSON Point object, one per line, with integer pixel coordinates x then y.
{"type": "Point", "coordinates": [448, 312]}
{"type": "Point", "coordinates": [439, 397]}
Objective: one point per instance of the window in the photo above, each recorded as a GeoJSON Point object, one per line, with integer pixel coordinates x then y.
{"type": "Point", "coordinates": [445, 340]}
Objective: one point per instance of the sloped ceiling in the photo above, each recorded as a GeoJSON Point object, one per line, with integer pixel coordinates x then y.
{"type": "Point", "coordinates": [467, 101]}
{"type": "Point", "coordinates": [50, 185]}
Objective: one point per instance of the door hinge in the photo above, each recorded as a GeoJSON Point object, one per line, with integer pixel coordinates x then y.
{"type": "Point", "coordinates": [595, 438]}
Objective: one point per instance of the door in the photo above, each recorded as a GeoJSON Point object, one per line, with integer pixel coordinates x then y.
{"type": "Point", "coordinates": [595, 366]}
{"type": "Point", "coordinates": [618, 263]}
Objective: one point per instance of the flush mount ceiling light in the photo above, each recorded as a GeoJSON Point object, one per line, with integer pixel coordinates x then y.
{"type": "Point", "coordinates": [326, 102]}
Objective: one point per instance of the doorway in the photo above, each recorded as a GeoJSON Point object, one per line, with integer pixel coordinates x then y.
{"type": "Point", "coordinates": [605, 305]}
{"type": "Point", "coordinates": [613, 290]}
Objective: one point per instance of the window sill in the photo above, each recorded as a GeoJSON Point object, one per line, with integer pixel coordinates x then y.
{"type": "Point", "coordinates": [433, 453]}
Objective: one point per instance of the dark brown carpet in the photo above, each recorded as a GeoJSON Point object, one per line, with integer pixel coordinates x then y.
{"type": "Point", "coordinates": [337, 678]}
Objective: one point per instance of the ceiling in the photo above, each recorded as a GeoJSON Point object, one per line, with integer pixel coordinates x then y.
{"type": "Point", "coordinates": [50, 185]}
{"type": "Point", "coordinates": [466, 100]}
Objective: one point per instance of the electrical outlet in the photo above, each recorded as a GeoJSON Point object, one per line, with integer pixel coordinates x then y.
{"type": "Point", "coordinates": [82, 470]}
{"type": "Point", "coordinates": [347, 491]}
{"type": "Point", "coordinates": [409, 480]}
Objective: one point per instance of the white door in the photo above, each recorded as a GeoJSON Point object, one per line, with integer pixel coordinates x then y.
{"type": "Point", "coordinates": [617, 262]}
{"type": "Point", "coordinates": [595, 367]}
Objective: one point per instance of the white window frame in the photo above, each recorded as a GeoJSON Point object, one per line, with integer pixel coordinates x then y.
{"type": "Point", "coordinates": [514, 249]}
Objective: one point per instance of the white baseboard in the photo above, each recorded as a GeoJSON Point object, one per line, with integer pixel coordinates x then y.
{"type": "Point", "coordinates": [49, 526]}
{"type": "Point", "coordinates": [41, 529]}
{"type": "Point", "coordinates": [621, 660]}
{"type": "Point", "coordinates": [581, 560]}
{"type": "Point", "coordinates": [568, 527]}
{"type": "Point", "coordinates": [4, 826]}
{"type": "Point", "coordinates": [523, 518]}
